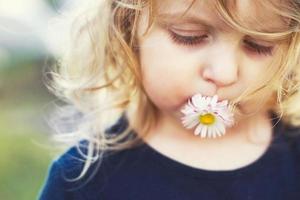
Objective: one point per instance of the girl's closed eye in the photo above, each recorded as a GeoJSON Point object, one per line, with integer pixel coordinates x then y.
{"type": "Point", "coordinates": [192, 40]}
{"type": "Point", "coordinates": [260, 49]}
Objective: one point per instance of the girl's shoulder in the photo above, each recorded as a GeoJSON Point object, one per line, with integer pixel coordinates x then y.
{"type": "Point", "coordinates": [62, 174]}
{"type": "Point", "coordinates": [61, 182]}
{"type": "Point", "coordinates": [291, 136]}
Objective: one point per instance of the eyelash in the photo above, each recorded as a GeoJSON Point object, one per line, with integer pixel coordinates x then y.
{"type": "Point", "coordinates": [194, 40]}
{"type": "Point", "coordinates": [259, 48]}
{"type": "Point", "coordinates": [187, 40]}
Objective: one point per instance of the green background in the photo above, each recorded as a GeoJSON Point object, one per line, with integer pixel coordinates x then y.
{"type": "Point", "coordinates": [26, 141]}
{"type": "Point", "coordinates": [26, 146]}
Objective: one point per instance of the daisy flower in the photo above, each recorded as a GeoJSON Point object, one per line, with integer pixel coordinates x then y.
{"type": "Point", "coordinates": [210, 116]}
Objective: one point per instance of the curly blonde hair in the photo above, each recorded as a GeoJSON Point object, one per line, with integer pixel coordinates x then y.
{"type": "Point", "coordinates": [99, 73]}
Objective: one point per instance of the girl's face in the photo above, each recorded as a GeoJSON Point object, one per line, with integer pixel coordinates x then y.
{"type": "Point", "coordinates": [200, 53]}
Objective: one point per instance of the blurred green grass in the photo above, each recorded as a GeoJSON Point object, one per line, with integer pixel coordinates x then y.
{"type": "Point", "coordinates": [23, 164]}
{"type": "Point", "coordinates": [25, 149]}
{"type": "Point", "coordinates": [25, 144]}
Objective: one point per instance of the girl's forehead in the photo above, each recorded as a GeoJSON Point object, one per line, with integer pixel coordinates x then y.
{"type": "Point", "coordinates": [252, 13]}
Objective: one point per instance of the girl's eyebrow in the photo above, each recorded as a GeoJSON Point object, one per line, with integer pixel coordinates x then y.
{"type": "Point", "coordinates": [188, 18]}
{"type": "Point", "coordinates": [218, 24]}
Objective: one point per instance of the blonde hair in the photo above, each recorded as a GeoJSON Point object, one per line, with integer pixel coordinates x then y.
{"type": "Point", "coordinates": [100, 75]}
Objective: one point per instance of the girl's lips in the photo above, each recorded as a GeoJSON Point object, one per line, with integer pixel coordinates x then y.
{"type": "Point", "coordinates": [219, 98]}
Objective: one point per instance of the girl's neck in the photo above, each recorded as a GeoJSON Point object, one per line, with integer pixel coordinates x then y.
{"type": "Point", "coordinates": [242, 144]}
{"type": "Point", "coordinates": [256, 128]}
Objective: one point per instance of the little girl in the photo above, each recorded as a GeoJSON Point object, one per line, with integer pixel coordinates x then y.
{"type": "Point", "coordinates": [181, 100]}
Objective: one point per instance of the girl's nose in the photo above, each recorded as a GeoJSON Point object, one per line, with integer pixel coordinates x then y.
{"type": "Point", "coordinates": [222, 66]}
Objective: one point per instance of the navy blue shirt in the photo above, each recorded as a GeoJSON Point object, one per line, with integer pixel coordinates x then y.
{"type": "Point", "coordinates": [143, 173]}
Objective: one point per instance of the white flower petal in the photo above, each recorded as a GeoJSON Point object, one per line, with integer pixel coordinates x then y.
{"type": "Point", "coordinates": [214, 100]}
{"type": "Point", "coordinates": [192, 124]}
{"type": "Point", "coordinates": [204, 131]}
{"type": "Point", "coordinates": [223, 103]}
{"type": "Point", "coordinates": [197, 100]}
{"type": "Point", "coordinates": [209, 131]}
{"type": "Point", "coordinates": [198, 129]}
{"type": "Point", "coordinates": [218, 130]}
{"type": "Point", "coordinates": [189, 118]}
{"type": "Point", "coordinates": [188, 110]}
{"type": "Point", "coordinates": [222, 128]}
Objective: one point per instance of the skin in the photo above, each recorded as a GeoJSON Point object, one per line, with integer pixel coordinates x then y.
{"type": "Point", "coordinates": [221, 64]}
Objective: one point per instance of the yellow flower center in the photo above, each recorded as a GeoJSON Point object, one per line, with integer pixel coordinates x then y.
{"type": "Point", "coordinates": [207, 119]}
